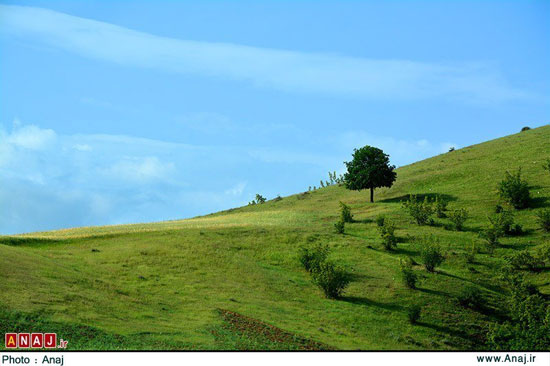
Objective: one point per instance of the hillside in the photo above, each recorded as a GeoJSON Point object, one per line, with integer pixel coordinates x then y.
{"type": "Point", "coordinates": [232, 280]}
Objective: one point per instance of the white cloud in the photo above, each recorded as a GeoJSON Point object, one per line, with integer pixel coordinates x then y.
{"type": "Point", "coordinates": [31, 137]}
{"type": "Point", "coordinates": [236, 190]}
{"type": "Point", "coordinates": [82, 147]}
{"type": "Point", "coordinates": [262, 67]}
{"type": "Point", "coordinates": [140, 169]}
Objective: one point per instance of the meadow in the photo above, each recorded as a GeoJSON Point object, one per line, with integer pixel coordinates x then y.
{"type": "Point", "coordinates": [233, 280]}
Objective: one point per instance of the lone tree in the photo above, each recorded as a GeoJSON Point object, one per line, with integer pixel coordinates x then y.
{"type": "Point", "coordinates": [370, 168]}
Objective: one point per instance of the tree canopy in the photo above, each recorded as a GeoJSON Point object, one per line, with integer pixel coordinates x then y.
{"type": "Point", "coordinates": [369, 169]}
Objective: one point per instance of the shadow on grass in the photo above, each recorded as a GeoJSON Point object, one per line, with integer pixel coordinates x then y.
{"type": "Point", "coordinates": [409, 252]}
{"type": "Point", "coordinates": [538, 202]}
{"type": "Point", "coordinates": [367, 302]}
{"type": "Point", "coordinates": [405, 239]}
{"type": "Point", "coordinates": [362, 221]}
{"type": "Point", "coordinates": [433, 292]}
{"type": "Point", "coordinates": [444, 329]}
{"type": "Point", "coordinates": [490, 287]}
{"type": "Point", "coordinates": [420, 196]}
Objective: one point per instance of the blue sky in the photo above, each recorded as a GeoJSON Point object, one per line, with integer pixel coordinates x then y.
{"type": "Point", "coordinates": [119, 112]}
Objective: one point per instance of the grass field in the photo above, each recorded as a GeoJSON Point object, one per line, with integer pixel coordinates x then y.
{"type": "Point", "coordinates": [232, 280]}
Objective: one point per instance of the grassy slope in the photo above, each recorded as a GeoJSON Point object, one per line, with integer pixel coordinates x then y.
{"type": "Point", "coordinates": [166, 282]}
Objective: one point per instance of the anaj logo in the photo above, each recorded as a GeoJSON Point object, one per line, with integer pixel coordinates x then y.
{"type": "Point", "coordinates": [34, 340]}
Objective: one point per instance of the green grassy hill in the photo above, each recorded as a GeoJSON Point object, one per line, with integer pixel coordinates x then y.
{"type": "Point", "coordinates": [232, 280]}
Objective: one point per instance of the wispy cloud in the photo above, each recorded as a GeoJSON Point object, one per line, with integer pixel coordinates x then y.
{"type": "Point", "coordinates": [262, 67]}
{"type": "Point", "coordinates": [31, 137]}
{"type": "Point", "coordinates": [236, 190]}
{"type": "Point", "coordinates": [142, 169]}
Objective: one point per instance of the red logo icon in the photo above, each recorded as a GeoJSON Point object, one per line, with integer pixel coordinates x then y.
{"type": "Point", "coordinates": [34, 340]}
{"type": "Point", "coordinates": [24, 340]}
{"type": "Point", "coordinates": [49, 340]}
{"type": "Point", "coordinates": [37, 340]}
{"type": "Point", "coordinates": [11, 340]}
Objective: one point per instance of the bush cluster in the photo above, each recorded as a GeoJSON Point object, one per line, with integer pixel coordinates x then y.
{"type": "Point", "coordinates": [514, 190]}
{"type": "Point", "coordinates": [334, 179]}
{"type": "Point", "coordinates": [380, 220]}
{"type": "Point", "coordinates": [311, 258]}
{"type": "Point", "coordinates": [409, 277]}
{"type": "Point", "coordinates": [420, 211]}
{"type": "Point", "coordinates": [494, 231]}
{"type": "Point", "coordinates": [325, 274]}
{"type": "Point", "coordinates": [259, 200]}
{"type": "Point", "coordinates": [470, 255]}
{"type": "Point", "coordinates": [387, 233]}
{"type": "Point", "coordinates": [331, 279]}
{"type": "Point", "coordinates": [543, 253]}
{"type": "Point", "coordinates": [431, 254]}
{"type": "Point", "coordinates": [529, 327]}
{"type": "Point", "coordinates": [471, 297]}
{"type": "Point", "coordinates": [507, 223]}
{"type": "Point", "coordinates": [340, 227]}
{"type": "Point", "coordinates": [525, 260]}
{"type": "Point", "coordinates": [458, 218]}
{"type": "Point", "coordinates": [345, 213]}
{"type": "Point", "coordinates": [500, 224]}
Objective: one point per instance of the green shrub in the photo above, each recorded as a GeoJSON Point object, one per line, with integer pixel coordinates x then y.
{"type": "Point", "coordinates": [380, 220]}
{"type": "Point", "coordinates": [260, 199]}
{"type": "Point", "coordinates": [331, 279]}
{"type": "Point", "coordinates": [458, 217]}
{"type": "Point", "coordinates": [345, 213]}
{"type": "Point", "coordinates": [440, 206]}
{"type": "Point", "coordinates": [471, 297]}
{"type": "Point", "coordinates": [311, 258]}
{"type": "Point", "coordinates": [470, 255]}
{"type": "Point", "coordinates": [431, 254]}
{"type": "Point", "coordinates": [529, 327]}
{"type": "Point", "coordinates": [407, 274]}
{"type": "Point", "coordinates": [505, 219]}
{"type": "Point", "coordinates": [543, 219]}
{"type": "Point", "coordinates": [543, 253]}
{"type": "Point", "coordinates": [514, 190]}
{"type": "Point", "coordinates": [495, 230]}
{"type": "Point", "coordinates": [413, 313]}
{"type": "Point", "coordinates": [498, 208]}
{"type": "Point", "coordinates": [515, 230]}
{"type": "Point", "coordinates": [420, 211]}
{"type": "Point", "coordinates": [387, 233]}
{"type": "Point", "coordinates": [389, 241]}
{"type": "Point", "coordinates": [524, 260]}
{"type": "Point", "coordinates": [340, 227]}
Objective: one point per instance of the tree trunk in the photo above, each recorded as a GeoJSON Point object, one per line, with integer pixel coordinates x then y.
{"type": "Point", "coordinates": [371, 194]}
